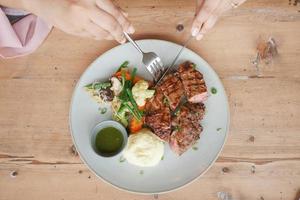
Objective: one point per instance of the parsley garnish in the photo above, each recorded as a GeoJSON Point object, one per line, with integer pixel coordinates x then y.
{"type": "Point", "coordinates": [213, 90]}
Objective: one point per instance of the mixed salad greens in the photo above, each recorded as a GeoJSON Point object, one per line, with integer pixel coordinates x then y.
{"type": "Point", "coordinates": [127, 93]}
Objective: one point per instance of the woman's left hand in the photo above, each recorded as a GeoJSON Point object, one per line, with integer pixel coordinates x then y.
{"type": "Point", "coordinates": [208, 12]}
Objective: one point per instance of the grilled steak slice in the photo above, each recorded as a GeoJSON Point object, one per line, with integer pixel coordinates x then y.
{"type": "Point", "coordinates": [183, 139]}
{"type": "Point", "coordinates": [193, 82]}
{"type": "Point", "coordinates": [186, 127]}
{"type": "Point", "coordinates": [156, 102]}
{"type": "Point", "coordinates": [172, 88]}
{"type": "Point", "coordinates": [160, 123]}
{"type": "Point", "coordinates": [158, 117]}
{"type": "Point", "coordinates": [191, 112]}
{"type": "Point", "coordinates": [196, 111]}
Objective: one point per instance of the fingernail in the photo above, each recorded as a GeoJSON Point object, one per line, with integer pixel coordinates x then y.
{"type": "Point", "coordinates": [195, 31]}
{"type": "Point", "coordinates": [131, 29]}
{"type": "Point", "coordinates": [199, 37]}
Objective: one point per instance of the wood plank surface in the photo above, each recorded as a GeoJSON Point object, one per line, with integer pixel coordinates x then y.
{"type": "Point", "coordinates": [261, 158]}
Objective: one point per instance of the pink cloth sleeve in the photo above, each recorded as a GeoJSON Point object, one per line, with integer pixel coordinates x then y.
{"type": "Point", "coordinates": [23, 37]}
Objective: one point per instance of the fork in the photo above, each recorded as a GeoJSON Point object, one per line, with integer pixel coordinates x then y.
{"type": "Point", "coordinates": [152, 62]}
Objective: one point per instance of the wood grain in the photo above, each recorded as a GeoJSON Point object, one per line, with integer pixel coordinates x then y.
{"type": "Point", "coordinates": [261, 159]}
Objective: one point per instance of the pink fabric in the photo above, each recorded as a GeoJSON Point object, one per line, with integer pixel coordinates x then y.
{"type": "Point", "coordinates": [23, 37]}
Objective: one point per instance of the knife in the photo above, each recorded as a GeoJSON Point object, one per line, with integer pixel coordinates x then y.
{"type": "Point", "coordinates": [175, 59]}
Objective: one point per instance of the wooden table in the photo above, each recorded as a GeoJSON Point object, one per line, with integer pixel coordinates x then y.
{"type": "Point", "coordinates": [261, 158]}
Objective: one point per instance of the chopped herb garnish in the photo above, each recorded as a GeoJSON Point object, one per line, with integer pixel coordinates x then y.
{"type": "Point", "coordinates": [177, 112]}
{"type": "Point", "coordinates": [166, 101]}
{"type": "Point", "coordinates": [122, 159]}
{"type": "Point", "coordinates": [213, 90]}
{"type": "Point", "coordinates": [176, 128]}
{"type": "Point", "coordinates": [141, 172]}
{"type": "Point", "coordinates": [193, 65]}
{"type": "Point", "coordinates": [162, 158]}
{"type": "Point", "coordinates": [218, 129]}
{"type": "Point", "coordinates": [103, 110]}
{"type": "Point", "coordinates": [195, 148]}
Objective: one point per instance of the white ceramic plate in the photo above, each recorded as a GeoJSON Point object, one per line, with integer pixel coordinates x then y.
{"type": "Point", "coordinates": [173, 171]}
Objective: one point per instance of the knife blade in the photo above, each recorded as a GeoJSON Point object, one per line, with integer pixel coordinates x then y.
{"type": "Point", "coordinates": [175, 59]}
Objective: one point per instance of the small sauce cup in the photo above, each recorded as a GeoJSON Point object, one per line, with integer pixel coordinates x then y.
{"type": "Point", "coordinates": [104, 128]}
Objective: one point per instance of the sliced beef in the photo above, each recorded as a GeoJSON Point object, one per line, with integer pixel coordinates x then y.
{"type": "Point", "coordinates": [186, 127]}
{"type": "Point", "coordinates": [196, 111]}
{"type": "Point", "coordinates": [158, 116]}
{"type": "Point", "coordinates": [185, 124]}
{"type": "Point", "coordinates": [160, 123]}
{"type": "Point", "coordinates": [172, 88]}
{"type": "Point", "coordinates": [156, 102]}
{"type": "Point", "coordinates": [193, 82]}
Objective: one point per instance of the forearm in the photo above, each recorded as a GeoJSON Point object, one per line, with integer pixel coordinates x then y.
{"type": "Point", "coordinates": [18, 4]}
{"type": "Point", "coordinates": [34, 6]}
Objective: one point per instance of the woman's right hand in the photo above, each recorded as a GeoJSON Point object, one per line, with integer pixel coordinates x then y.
{"type": "Point", "coordinates": [97, 19]}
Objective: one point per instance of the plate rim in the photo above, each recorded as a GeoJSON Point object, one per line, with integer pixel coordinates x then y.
{"type": "Point", "coordinates": [134, 191]}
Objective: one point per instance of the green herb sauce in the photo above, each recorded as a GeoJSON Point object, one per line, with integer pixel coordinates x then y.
{"type": "Point", "coordinates": [109, 141]}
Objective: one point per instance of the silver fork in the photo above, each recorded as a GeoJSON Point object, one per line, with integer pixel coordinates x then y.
{"type": "Point", "coordinates": [152, 62]}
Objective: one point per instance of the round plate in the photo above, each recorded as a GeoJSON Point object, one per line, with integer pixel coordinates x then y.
{"type": "Point", "coordinates": [173, 171]}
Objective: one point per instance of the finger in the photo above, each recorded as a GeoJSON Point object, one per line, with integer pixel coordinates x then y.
{"type": "Point", "coordinates": [85, 34]}
{"type": "Point", "coordinates": [199, 36]}
{"type": "Point", "coordinates": [81, 33]}
{"type": "Point", "coordinates": [96, 31]}
{"type": "Point", "coordinates": [199, 4]}
{"type": "Point", "coordinates": [208, 24]}
{"type": "Point", "coordinates": [109, 23]}
{"type": "Point", "coordinates": [206, 27]}
{"type": "Point", "coordinates": [124, 13]}
{"type": "Point", "coordinates": [195, 27]}
{"type": "Point", "coordinates": [110, 37]}
{"type": "Point", "coordinates": [205, 11]}
{"type": "Point", "coordinates": [108, 6]}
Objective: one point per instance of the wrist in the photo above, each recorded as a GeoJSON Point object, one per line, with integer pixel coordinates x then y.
{"type": "Point", "coordinates": [34, 6]}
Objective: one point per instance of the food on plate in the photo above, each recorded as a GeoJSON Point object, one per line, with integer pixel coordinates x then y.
{"type": "Point", "coordinates": [144, 149]}
{"type": "Point", "coordinates": [100, 92]}
{"type": "Point", "coordinates": [126, 93]}
{"type": "Point", "coordinates": [108, 141]}
{"type": "Point", "coordinates": [116, 85]}
{"type": "Point", "coordinates": [186, 127]}
{"type": "Point", "coordinates": [171, 111]}
{"type": "Point", "coordinates": [160, 122]}
{"type": "Point", "coordinates": [158, 116]}
{"type": "Point", "coordinates": [135, 125]}
{"type": "Point", "coordinates": [141, 92]}
{"type": "Point", "coordinates": [172, 89]}
{"type": "Point", "coordinates": [167, 115]}
{"type": "Point", "coordinates": [193, 82]}
{"type": "Point", "coordinates": [156, 102]}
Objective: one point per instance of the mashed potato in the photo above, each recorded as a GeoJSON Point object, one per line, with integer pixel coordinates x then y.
{"type": "Point", "coordinates": [144, 149]}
